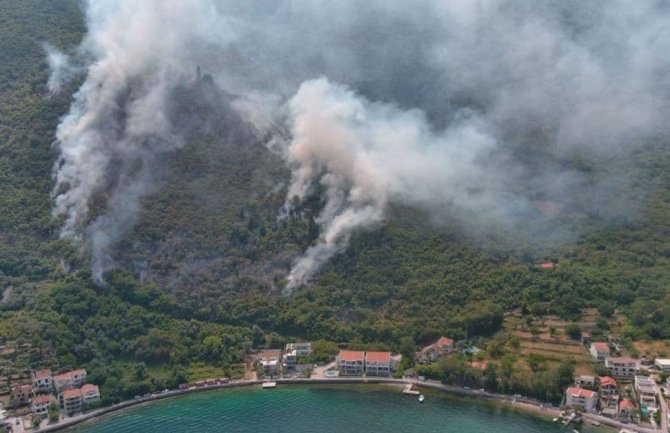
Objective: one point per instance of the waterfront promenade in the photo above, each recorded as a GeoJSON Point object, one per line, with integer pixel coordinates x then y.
{"type": "Point", "coordinates": [521, 404]}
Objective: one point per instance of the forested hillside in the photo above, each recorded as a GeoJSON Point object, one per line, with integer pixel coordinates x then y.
{"type": "Point", "coordinates": [200, 278]}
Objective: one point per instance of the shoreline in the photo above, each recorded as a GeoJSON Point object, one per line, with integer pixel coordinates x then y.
{"type": "Point", "coordinates": [524, 406]}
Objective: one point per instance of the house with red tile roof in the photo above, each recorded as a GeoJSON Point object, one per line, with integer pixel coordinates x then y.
{"type": "Point", "coordinates": [71, 379]}
{"type": "Point", "coordinates": [43, 380]}
{"type": "Point", "coordinates": [582, 399]}
{"type": "Point", "coordinates": [600, 350]}
{"type": "Point", "coordinates": [40, 405]}
{"type": "Point", "coordinates": [446, 344]}
{"type": "Point", "coordinates": [430, 353]}
{"type": "Point", "coordinates": [89, 393]}
{"type": "Point", "coordinates": [70, 400]}
{"type": "Point", "coordinates": [627, 409]}
{"type": "Point", "coordinates": [23, 393]}
{"type": "Point", "coordinates": [378, 363]}
{"type": "Point", "coordinates": [351, 362]}
{"type": "Point", "coordinates": [608, 386]}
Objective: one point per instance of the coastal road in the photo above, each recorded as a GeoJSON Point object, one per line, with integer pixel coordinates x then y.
{"type": "Point", "coordinates": [663, 406]}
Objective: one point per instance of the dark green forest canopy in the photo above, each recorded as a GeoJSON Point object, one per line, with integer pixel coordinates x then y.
{"type": "Point", "coordinates": [209, 254]}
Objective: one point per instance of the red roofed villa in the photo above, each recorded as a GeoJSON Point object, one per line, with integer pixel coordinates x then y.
{"type": "Point", "coordinates": [378, 363]}
{"type": "Point", "coordinates": [70, 400]}
{"type": "Point", "coordinates": [600, 350]}
{"type": "Point", "coordinates": [351, 362]}
{"type": "Point", "coordinates": [42, 380]}
{"type": "Point", "coordinates": [40, 404]}
{"type": "Point", "coordinates": [90, 393]}
{"type": "Point", "coordinates": [580, 398]}
{"type": "Point", "coordinates": [608, 386]}
{"type": "Point", "coordinates": [446, 344]}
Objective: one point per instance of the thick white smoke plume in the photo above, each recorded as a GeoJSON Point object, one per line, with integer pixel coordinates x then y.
{"type": "Point", "coordinates": [478, 109]}
{"type": "Point", "coordinates": [365, 154]}
{"type": "Point", "coordinates": [118, 121]}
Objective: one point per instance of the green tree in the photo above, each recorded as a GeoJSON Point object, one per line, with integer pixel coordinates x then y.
{"type": "Point", "coordinates": [573, 331]}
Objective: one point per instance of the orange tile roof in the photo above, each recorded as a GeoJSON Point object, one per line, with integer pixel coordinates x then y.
{"type": "Point", "coordinates": [607, 381]}
{"type": "Point", "coordinates": [626, 403]}
{"type": "Point", "coordinates": [351, 355]}
{"type": "Point", "coordinates": [71, 393]}
{"type": "Point", "coordinates": [378, 356]}
{"type": "Point", "coordinates": [600, 345]}
{"type": "Point", "coordinates": [580, 392]}
{"type": "Point", "coordinates": [42, 399]}
{"type": "Point", "coordinates": [444, 341]}
{"type": "Point", "coordinates": [42, 374]}
{"type": "Point", "coordinates": [621, 360]}
{"type": "Point", "coordinates": [88, 387]}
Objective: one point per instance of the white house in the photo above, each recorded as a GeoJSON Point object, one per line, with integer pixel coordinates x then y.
{"type": "Point", "coordinates": [621, 366]}
{"type": "Point", "coordinates": [662, 364]}
{"type": "Point", "coordinates": [646, 391]}
{"type": "Point", "coordinates": [301, 349]}
{"type": "Point", "coordinates": [43, 380]}
{"type": "Point", "coordinates": [270, 360]}
{"type": "Point", "coordinates": [351, 362]}
{"type": "Point", "coordinates": [90, 393]}
{"type": "Point", "coordinates": [40, 404]}
{"type": "Point", "coordinates": [583, 399]}
{"type": "Point", "coordinates": [600, 350]}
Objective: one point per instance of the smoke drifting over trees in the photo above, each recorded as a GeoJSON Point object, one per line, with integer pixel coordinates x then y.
{"type": "Point", "coordinates": [478, 110]}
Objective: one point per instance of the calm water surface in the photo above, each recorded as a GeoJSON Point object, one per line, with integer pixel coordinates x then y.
{"type": "Point", "coordinates": [334, 409]}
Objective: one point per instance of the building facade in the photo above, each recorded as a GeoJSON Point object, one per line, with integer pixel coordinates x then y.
{"type": "Point", "coordinates": [378, 364]}
{"type": "Point", "coordinates": [600, 350]}
{"type": "Point", "coordinates": [40, 404]}
{"type": "Point", "coordinates": [621, 366]}
{"type": "Point", "coordinates": [43, 380]}
{"type": "Point", "coordinates": [351, 362]}
{"type": "Point", "coordinates": [579, 398]}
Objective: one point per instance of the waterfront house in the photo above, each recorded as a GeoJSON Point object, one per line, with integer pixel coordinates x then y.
{"type": "Point", "coordinates": [662, 364]}
{"type": "Point", "coordinates": [290, 359]}
{"type": "Point", "coordinates": [428, 354]}
{"type": "Point", "coordinates": [646, 391]}
{"type": "Point", "coordinates": [621, 366]}
{"type": "Point", "coordinates": [71, 379]}
{"type": "Point", "coordinates": [351, 362]}
{"type": "Point", "coordinates": [608, 386]}
{"type": "Point", "coordinates": [600, 350]}
{"type": "Point", "coordinates": [22, 393]}
{"type": "Point", "coordinates": [626, 409]}
{"type": "Point", "coordinates": [89, 394]}
{"type": "Point", "coordinates": [301, 349]}
{"type": "Point", "coordinates": [43, 380]}
{"type": "Point", "coordinates": [40, 404]}
{"type": "Point", "coordinates": [586, 381]}
{"type": "Point", "coordinates": [270, 360]}
{"type": "Point", "coordinates": [378, 363]}
{"type": "Point", "coordinates": [70, 400]}
{"type": "Point", "coordinates": [582, 399]}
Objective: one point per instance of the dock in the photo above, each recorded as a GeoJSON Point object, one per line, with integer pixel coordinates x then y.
{"type": "Point", "coordinates": [410, 390]}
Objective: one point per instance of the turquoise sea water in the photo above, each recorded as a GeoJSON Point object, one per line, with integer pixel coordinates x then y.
{"type": "Point", "coordinates": [298, 409]}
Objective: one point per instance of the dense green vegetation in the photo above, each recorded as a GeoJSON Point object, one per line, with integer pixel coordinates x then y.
{"type": "Point", "coordinates": [200, 276]}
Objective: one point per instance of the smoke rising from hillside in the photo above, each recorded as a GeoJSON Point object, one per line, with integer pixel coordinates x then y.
{"type": "Point", "coordinates": [478, 110]}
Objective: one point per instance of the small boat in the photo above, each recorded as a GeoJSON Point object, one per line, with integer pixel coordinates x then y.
{"type": "Point", "coordinates": [421, 398]}
{"type": "Point", "coordinates": [269, 384]}
{"type": "Point", "coordinates": [555, 419]}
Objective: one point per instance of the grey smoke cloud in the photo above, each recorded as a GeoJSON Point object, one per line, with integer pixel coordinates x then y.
{"type": "Point", "coordinates": [473, 109]}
